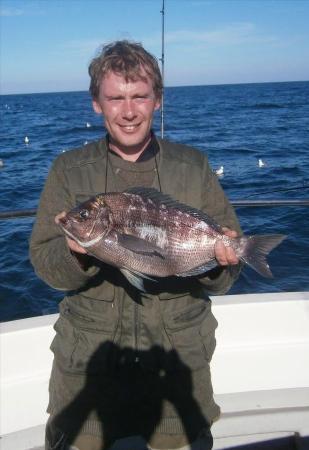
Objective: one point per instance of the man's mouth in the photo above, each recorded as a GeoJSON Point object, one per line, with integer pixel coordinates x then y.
{"type": "Point", "coordinates": [129, 128]}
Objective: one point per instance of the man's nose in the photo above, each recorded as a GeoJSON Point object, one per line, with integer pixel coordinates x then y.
{"type": "Point", "coordinates": [128, 109]}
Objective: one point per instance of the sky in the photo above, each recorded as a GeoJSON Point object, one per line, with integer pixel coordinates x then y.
{"type": "Point", "coordinates": [46, 45]}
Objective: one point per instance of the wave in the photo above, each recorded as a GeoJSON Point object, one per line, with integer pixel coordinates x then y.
{"type": "Point", "coordinates": [267, 106]}
{"type": "Point", "coordinates": [234, 127]}
{"type": "Point", "coordinates": [79, 129]}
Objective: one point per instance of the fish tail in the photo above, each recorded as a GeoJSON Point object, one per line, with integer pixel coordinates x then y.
{"type": "Point", "coordinates": [256, 248]}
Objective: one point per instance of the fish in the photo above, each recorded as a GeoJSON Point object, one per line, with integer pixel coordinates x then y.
{"type": "Point", "coordinates": [148, 235]}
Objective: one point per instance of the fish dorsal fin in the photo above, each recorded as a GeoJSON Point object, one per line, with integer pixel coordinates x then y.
{"type": "Point", "coordinates": [164, 199]}
{"type": "Point", "coordinates": [154, 195]}
{"type": "Point", "coordinates": [138, 245]}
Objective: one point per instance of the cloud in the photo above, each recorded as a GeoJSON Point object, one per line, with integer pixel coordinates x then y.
{"type": "Point", "coordinates": [233, 34]}
{"type": "Point", "coordinates": [83, 47]}
{"type": "Point", "coordinates": [11, 12]}
{"type": "Point", "coordinates": [29, 8]}
{"type": "Point", "coordinates": [89, 47]}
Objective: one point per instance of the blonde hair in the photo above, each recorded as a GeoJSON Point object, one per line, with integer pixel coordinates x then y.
{"type": "Point", "coordinates": [128, 59]}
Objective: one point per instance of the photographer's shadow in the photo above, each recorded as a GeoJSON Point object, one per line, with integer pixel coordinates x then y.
{"type": "Point", "coordinates": [129, 396]}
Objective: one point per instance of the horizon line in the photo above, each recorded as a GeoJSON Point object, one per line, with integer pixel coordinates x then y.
{"type": "Point", "coordinates": [171, 86]}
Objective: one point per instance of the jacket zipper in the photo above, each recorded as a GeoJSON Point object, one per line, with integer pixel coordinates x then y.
{"type": "Point", "coordinates": [136, 359]}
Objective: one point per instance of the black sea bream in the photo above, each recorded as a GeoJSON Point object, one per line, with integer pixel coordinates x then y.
{"type": "Point", "coordinates": [147, 235]}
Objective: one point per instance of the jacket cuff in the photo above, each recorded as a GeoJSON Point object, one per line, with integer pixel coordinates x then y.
{"type": "Point", "coordinates": [219, 280]}
{"type": "Point", "coordinates": [87, 271]}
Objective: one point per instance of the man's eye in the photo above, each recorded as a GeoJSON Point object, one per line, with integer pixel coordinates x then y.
{"type": "Point", "coordinates": [142, 98]}
{"type": "Point", "coordinates": [84, 214]}
{"type": "Point", "coordinates": [115, 100]}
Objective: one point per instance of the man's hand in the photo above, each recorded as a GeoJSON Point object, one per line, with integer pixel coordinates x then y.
{"type": "Point", "coordinates": [72, 244]}
{"type": "Point", "coordinates": [226, 255]}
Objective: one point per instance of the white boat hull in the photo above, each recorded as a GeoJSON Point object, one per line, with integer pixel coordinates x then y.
{"type": "Point", "coordinates": [260, 371]}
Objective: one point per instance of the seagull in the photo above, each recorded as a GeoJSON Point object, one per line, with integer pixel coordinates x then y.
{"type": "Point", "coordinates": [88, 125]}
{"type": "Point", "coordinates": [261, 163]}
{"type": "Point", "coordinates": [1, 163]}
{"type": "Point", "coordinates": [220, 171]}
{"type": "Point", "coordinates": [26, 140]}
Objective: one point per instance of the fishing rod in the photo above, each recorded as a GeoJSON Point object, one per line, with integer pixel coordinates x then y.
{"type": "Point", "coordinates": [162, 70]}
{"type": "Point", "coordinates": [22, 213]}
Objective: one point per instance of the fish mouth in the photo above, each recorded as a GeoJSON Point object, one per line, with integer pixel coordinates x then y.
{"type": "Point", "coordinates": [63, 221]}
{"type": "Point", "coordinates": [67, 232]}
{"type": "Point", "coordinates": [74, 238]}
{"type": "Point", "coordinates": [84, 244]}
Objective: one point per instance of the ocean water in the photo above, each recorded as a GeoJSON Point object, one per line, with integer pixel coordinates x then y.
{"type": "Point", "coordinates": [234, 124]}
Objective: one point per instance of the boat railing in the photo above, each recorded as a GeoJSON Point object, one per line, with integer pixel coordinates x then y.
{"type": "Point", "coordinates": [21, 213]}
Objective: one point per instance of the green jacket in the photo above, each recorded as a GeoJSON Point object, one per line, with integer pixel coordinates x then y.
{"type": "Point", "coordinates": [101, 306]}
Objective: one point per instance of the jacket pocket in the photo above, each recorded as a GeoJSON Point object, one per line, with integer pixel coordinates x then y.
{"type": "Point", "coordinates": [191, 332]}
{"type": "Point", "coordinates": [83, 340]}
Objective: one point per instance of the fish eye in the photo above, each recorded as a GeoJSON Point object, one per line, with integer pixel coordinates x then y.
{"type": "Point", "coordinates": [84, 214]}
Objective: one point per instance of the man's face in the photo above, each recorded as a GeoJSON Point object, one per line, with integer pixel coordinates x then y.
{"type": "Point", "coordinates": [127, 107]}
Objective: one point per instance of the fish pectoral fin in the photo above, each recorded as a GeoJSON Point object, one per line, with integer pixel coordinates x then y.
{"type": "Point", "coordinates": [199, 269]}
{"type": "Point", "coordinates": [139, 246]}
{"type": "Point", "coordinates": [136, 278]}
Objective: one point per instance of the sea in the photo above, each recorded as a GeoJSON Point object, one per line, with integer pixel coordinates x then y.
{"type": "Point", "coordinates": [235, 125]}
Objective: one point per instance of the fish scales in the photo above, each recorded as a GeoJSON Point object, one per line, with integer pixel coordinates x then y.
{"type": "Point", "coordinates": [147, 234]}
{"type": "Point", "coordinates": [177, 233]}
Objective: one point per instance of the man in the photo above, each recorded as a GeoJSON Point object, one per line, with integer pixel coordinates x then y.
{"type": "Point", "coordinates": [128, 363]}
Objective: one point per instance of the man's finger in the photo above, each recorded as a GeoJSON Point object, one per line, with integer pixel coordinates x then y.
{"type": "Point", "coordinates": [59, 216]}
{"type": "Point", "coordinates": [231, 256]}
{"type": "Point", "coordinates": [220, 253]}
{"type": "Point", "coordinates": [230, 233]}
{"type": "Point", "coordinates": [225, 255]}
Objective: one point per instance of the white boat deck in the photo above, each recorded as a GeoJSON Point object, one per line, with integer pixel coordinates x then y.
{"type": "Point", "coordinates": [260, 374]}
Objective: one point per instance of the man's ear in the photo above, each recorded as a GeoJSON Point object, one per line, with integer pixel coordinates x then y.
{"type": "Point", "coordinates": [157, 104]}
{"type": "Point", "coordinates": [96, 106]}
